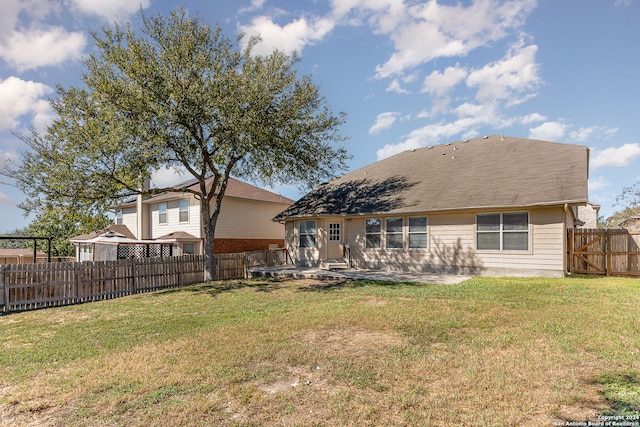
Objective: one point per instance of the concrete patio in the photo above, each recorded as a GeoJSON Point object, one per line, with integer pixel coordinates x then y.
{"type": "Point", "coordinates": [322, 274]}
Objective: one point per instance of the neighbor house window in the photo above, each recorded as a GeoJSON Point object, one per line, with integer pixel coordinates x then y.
{"type": "Point", "coordinates": [183, 209]}
{"type": "Point", "coordinates": [307, 234]}
{"type": "Point", "coordinates": [188, 249]}
{"type": "Point", "coordinates": [503, 231]}
{"type": "Point", "coordinates": [119, 217]}
{"type": "Point", "coordinates": [162, 213]}
{"type": "Point", "coordinates": [394, 238]}
{"type": "Point", "coordinates": [373, 231]}
{"type": "Point", "coordinates": [418, 232]}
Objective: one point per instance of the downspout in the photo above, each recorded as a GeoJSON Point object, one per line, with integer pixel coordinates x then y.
{"type": "Point", "coordinates": [565, 243]}
{"type": "Point", "coordinates": [141, 217]}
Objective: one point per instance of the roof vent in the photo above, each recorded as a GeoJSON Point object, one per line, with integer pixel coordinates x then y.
{"type": "Point", "coordinates": [485, 137]}
{"type": "Point", "coordinates": [430, 147]}
{"type": "Point", "coordinates": [466, 140]}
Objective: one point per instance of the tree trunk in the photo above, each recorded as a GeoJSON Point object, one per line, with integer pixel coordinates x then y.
{"type": "Point", "coordinates": [208, 222]}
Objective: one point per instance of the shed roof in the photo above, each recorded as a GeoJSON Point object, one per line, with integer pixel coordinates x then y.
{"type": "Point", "coordinates": [115, 229]}
{"type": "Point", "coordinates": [481, 173]}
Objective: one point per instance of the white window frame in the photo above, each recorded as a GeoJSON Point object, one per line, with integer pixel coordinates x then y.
{"type": "Point", "coordinates": [368, 233]}
{"type": "Point", "coordinates": [335, 231]}
{"type": "Point", "coordinates": [502, 231]}
{"type": "Point", "coordinates": [118, 219]}
{"type": "Point", "coordinates": [183, 208]}
{"type": "Point", "coordinates": [416, 232]}
{"type": "Point", "coordinates": [307, 234]}
{"type": "Point", "coordinates": [388, 236]}
{"type": "Point", "coordinates": [163, 210]}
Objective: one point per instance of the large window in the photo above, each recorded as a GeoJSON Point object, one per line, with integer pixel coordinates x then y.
{"type": "Point", "coordinates": [394, 238]}
{"type": "Point", "coordinates": [307, 234]}
{"type": "Point", "coordinates": [183, 210]}
{"type": "Point", "coordinates": [162, 213]}
{"type": "Point", "coordinates": [418, 232]}
{"type": "Point", "coordinates": [373, 230]}
{"type": "Point", "coordinates": [503, 231]}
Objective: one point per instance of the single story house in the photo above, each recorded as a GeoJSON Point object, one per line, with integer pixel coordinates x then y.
{"type": "Point", "coordinates": [631, 223]}
{"type": "Point", "coordinates": [168, 224]}
{"type": "Point", "coordinates": [20, 256]}
{"type": "Point", "coordinates": [493, 206]}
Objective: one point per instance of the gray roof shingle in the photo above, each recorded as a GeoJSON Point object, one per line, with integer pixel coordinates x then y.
{"type": "Point", "coordinates": [489, 172]}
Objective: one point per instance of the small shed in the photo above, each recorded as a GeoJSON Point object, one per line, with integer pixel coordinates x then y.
{"type": "Point", "coordinates": [111, 246]}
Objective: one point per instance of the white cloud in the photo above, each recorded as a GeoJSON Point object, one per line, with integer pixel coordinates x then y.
{"type": "Point", "coordinates": [40, 47]}
{"type": "Point", "coordinates": [548, 131]}
{"type": "Point", "coordinates": [517, 73]}
{"type": "Point", "coordinates": [383, 15]}
{"type": "Point", "coordinates": [394, 86]}
{"type": "Point", "coordinates": [584, 133]}
{"type": "Point", "coordinates": [166, 177]}
{"type": "Point", "coordinates": [111, 10]}
{"type": "Point", "coordinates": [383, 121]}
{"type": "Point", "coordinates": [598, 183]}
{"type": "Point", "coordinates": [19, 97]}
{"type": "Point", "coordinates": [432, 30]}
{"type": "Point", "coordinates": [255, 5]}
{"type": "Point", "coordinates": [431, 134]}
{"type": "Point", "coordinates": [615, 156]}
{"type": "Point", "coordinates": [288, 38]}
{"type": "Point", "coordinates": [532, 118]}
{"type": "Point", "coordinates": [440, 84]}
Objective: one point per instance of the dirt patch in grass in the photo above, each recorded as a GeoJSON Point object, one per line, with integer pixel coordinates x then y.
{"type": "Point", "coordinates": [352, 341]}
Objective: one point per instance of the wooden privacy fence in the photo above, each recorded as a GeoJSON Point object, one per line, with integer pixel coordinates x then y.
{"type": "Point", "coordinates": [236, 266]}
{"type": "Point", "coordinates": [33, 286]}
{"type": "Point", "coordinates": [606, 252]}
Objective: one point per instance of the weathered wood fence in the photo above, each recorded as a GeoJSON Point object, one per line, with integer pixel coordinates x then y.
{"type": "Point", "coordinates": [605, 252]}
{"type": "Point", "coordinates": [32, 286]}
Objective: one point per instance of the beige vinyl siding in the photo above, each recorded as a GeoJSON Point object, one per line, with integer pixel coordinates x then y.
{"type": "Point", "coordinates": [546, 254]}
{"type": "Point", "coordinates": [452, 246]}
{"type": "Point", "coordinates": [306, 257]}
{"type": "Point", "coordinates": [173, 219]}
{"type": "Point", "coordinates": [129, 219]}
{"type": "Point", "coordinates": [249, 219]}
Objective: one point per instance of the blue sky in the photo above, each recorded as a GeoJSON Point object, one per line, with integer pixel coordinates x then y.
{"type": "Point", "coordinates": [408, 73]}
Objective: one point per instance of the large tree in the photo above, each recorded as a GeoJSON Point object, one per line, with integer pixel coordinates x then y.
{"type": "Point", "coordinates": [182, 95]}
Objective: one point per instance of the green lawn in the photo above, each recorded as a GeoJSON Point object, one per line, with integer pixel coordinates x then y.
{"type": "Point", "coordinates": [487, 352]}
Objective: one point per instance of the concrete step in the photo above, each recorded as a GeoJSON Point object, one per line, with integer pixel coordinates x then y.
{"type": "Point", "coordinates": [337, 265]}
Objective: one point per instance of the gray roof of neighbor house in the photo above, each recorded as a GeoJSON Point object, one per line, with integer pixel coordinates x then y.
{"type": "Point", "coordinates": [492, 172]}
{"type": "Point", "coordinates": [235, 188]}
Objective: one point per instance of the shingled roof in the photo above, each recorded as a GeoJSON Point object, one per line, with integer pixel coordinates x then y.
{"type": "Point", "coordinates": [490, 172]}
{"type": "Point", "coordinates": [235, 188]}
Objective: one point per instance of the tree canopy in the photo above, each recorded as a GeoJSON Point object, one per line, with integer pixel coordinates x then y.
{"type": "Point", "coordinates": [180, 95]}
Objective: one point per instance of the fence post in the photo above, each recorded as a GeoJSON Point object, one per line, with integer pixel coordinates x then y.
{"type": "Point", "coordinates": [76, 289]}
{"type": "Point", "coordinates": [607, 251]}
{"type": "Point", "coordinates": [134, 278]}
{"type": "Point", "coordinates": [5, 289]}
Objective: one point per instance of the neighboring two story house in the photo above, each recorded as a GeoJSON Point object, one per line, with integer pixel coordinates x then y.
{"type": "Point", "coordinates": [172, 220]}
